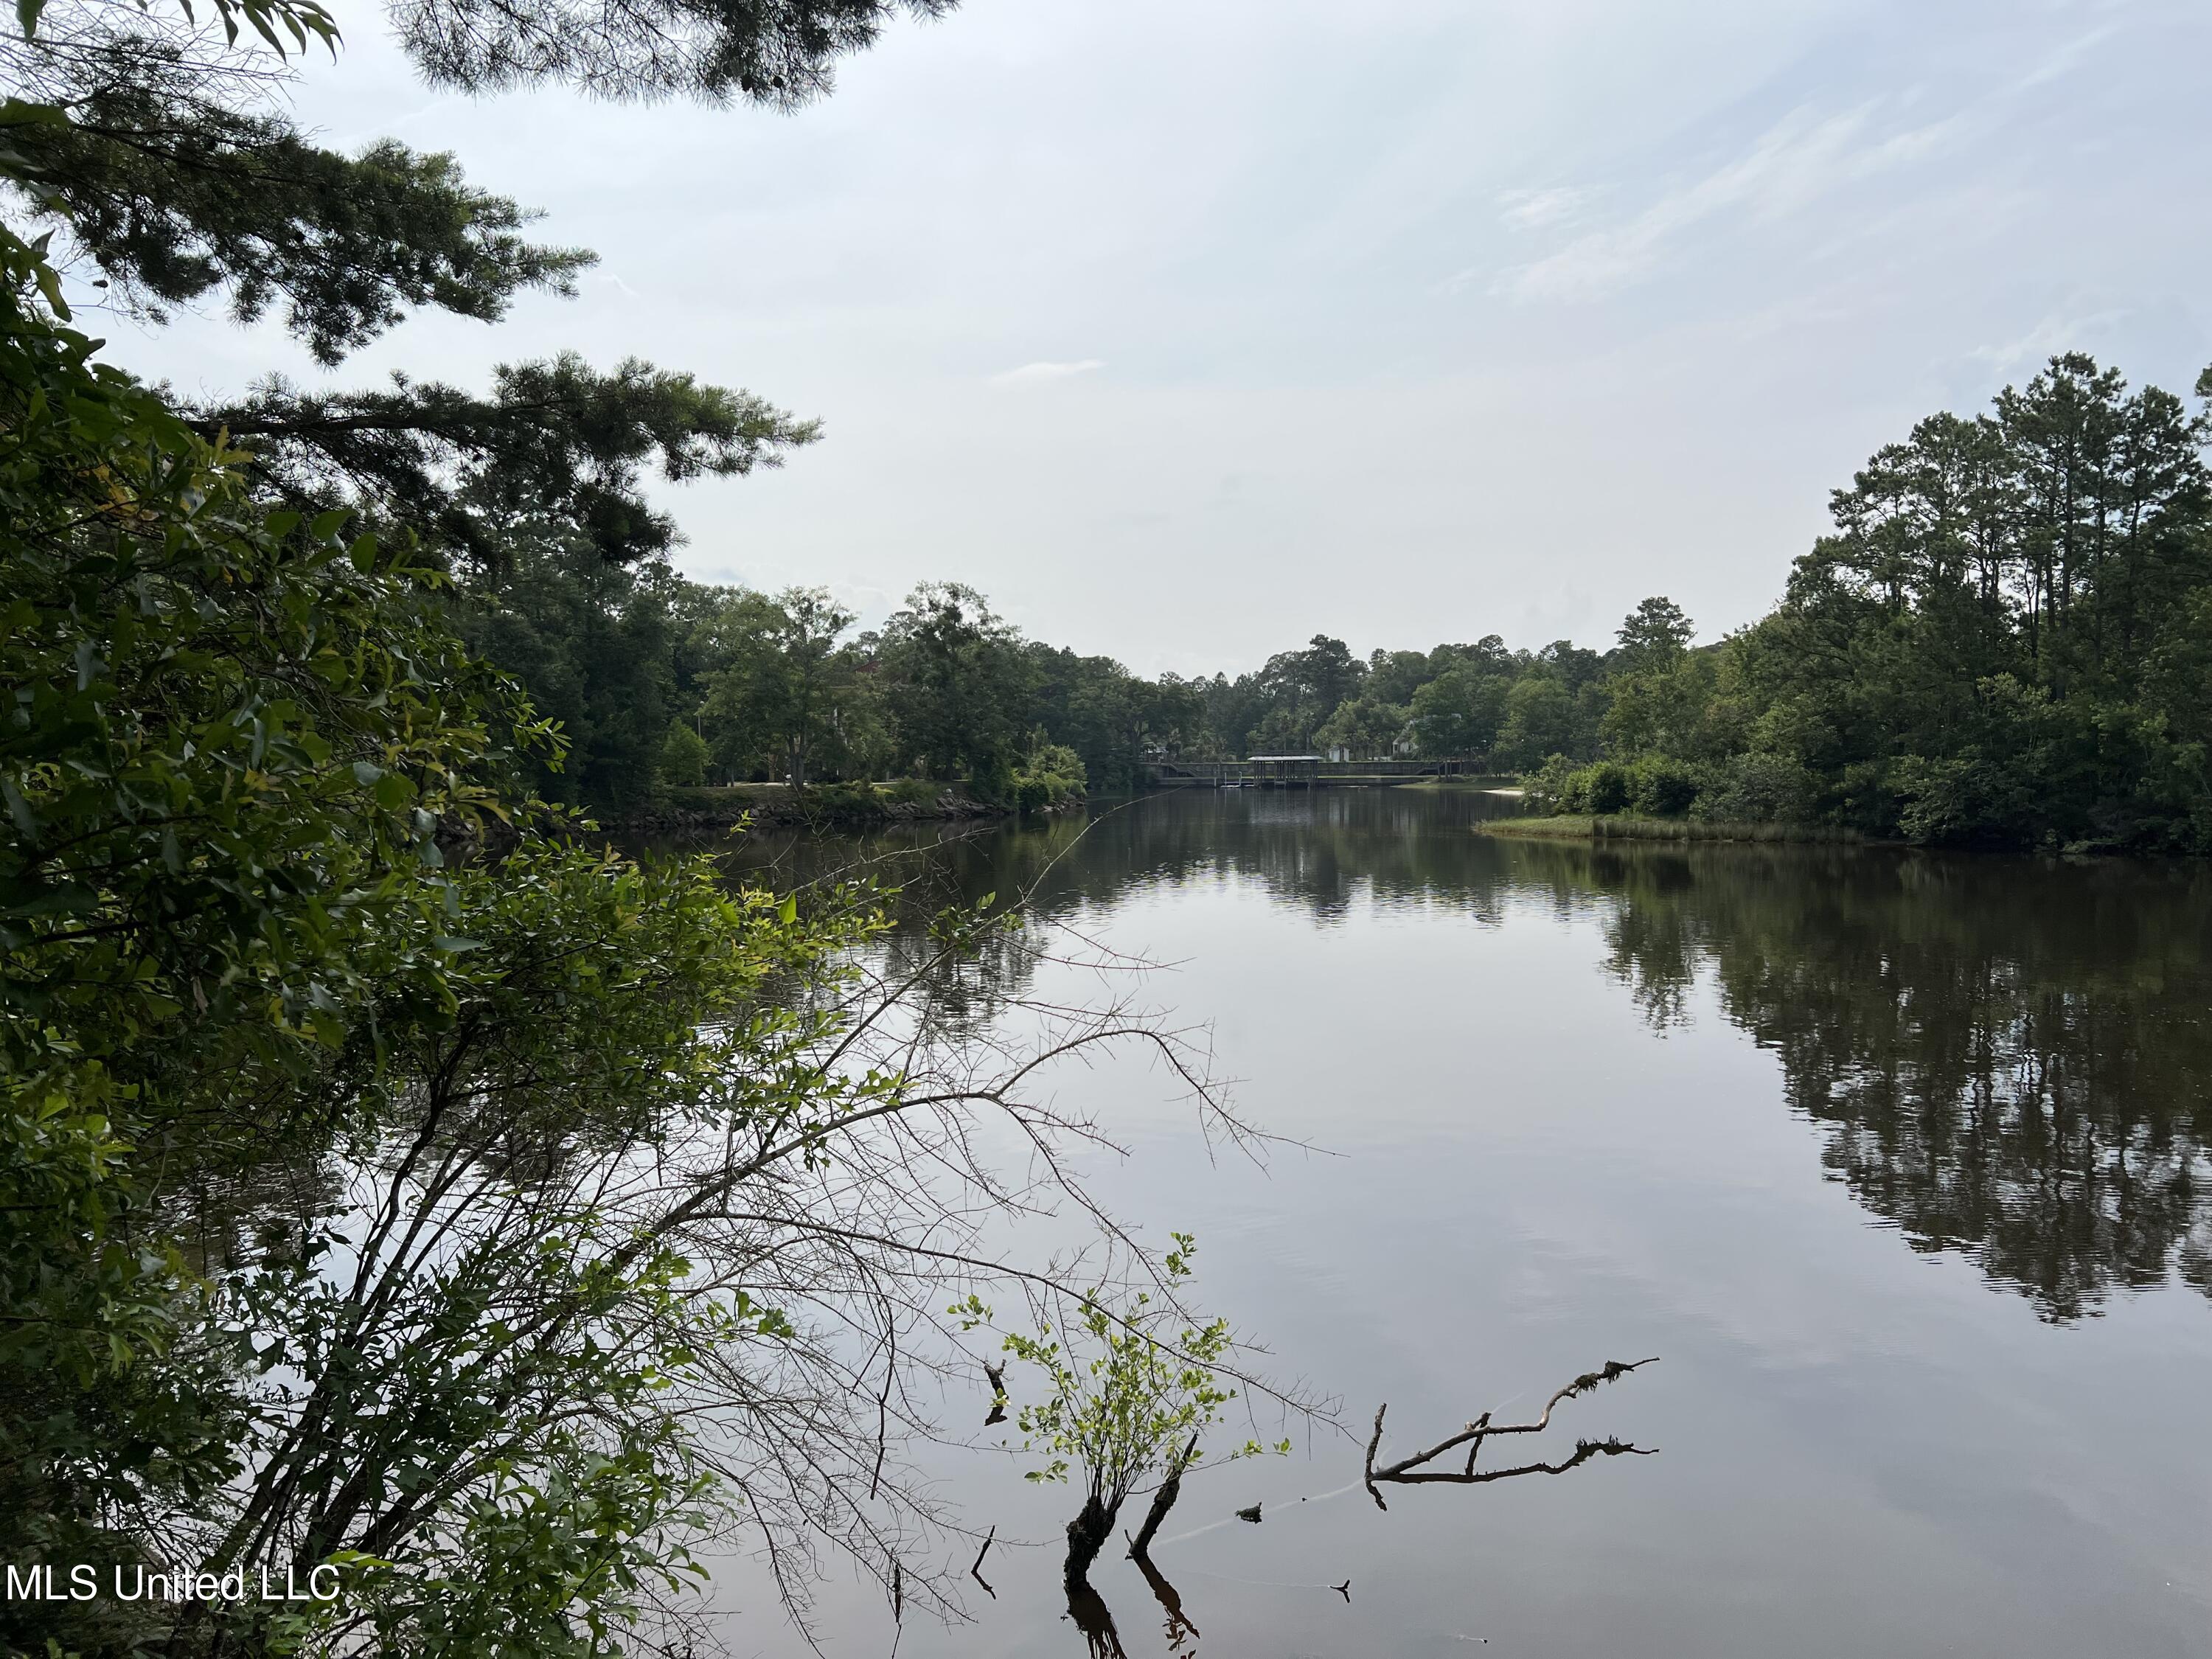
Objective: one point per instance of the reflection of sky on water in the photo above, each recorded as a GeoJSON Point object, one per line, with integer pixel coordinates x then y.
{"type": "Point", "coordinates": [1579, 1106]}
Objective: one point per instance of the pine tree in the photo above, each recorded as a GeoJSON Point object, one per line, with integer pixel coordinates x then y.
{"type": "Point", "coordinates": [156, 150]}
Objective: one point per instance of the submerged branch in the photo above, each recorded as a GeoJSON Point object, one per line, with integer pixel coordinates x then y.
{"type": "Point", "coordinates": [1409, 1471]}
{"type": "Point", "coordinates": [975, 1572]}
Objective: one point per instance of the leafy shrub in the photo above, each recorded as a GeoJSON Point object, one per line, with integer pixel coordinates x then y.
{"type": "Point", "coordinates": [1130, 1391]}
{"type": "Point", "coordinates": [1558, 785]}
{"type": "Point", "coordinates": [1759, 789]}
{"type": "Point", "coordinates": [1664, 789]}
{"type": "Point", "coordinates": [1654, 787]}
{"type": "Point", "coordinates": [683, 757]}
{"type": "Point", "coordinates": [1607, 787]}
{"type": "Point", "coordinates": [1866, 797]}
{"type": "Point", "coordinates": [1051, 773]}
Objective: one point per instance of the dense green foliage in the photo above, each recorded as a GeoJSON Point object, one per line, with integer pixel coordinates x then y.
{"type": "Point", "coordinates": [231, 738]}
{"type": "Point", "coordinates": [780, 687]}
{"type": "Point", "coordinates": [236, 974]}
{"type": "Point", "coordinates": [2007, 641]}
{"type": "Point", "coordinates": [477, 1230]}
{"type": "Point", "coordinates": [316, 1245]}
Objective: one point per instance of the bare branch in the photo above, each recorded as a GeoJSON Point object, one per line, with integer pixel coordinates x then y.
{"type": "Point", "coordinates": [1410, 1471]}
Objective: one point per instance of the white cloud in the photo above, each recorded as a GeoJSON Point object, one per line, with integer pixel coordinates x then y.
{"type": "Point", "coordinates": [1533, 209]}
{"type": "Point", "coordinates": [1794, 164]}
{"type": "Point", "coordinates": [2064, 60]}
{"type": "Point", "coordinates": [2060, 331]}
{"type": "Point", "coordinates": [1040, 374]}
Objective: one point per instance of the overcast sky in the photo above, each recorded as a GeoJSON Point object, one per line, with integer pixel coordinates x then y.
{"type": "Point", "coordinates": [1187, 328]}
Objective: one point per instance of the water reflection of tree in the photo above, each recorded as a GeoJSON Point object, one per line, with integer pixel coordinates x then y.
{"type": "Point", "coordinates": [2012, 1059]}
{"type": "Point", "coordinates": [1322, 850]}
{"type": "Point", "coordinates": [1096, 1620]}
{"type": "Point", "coordinates": [1101, 1640]}
{"type": "Point", "coordinates": [924, 870]}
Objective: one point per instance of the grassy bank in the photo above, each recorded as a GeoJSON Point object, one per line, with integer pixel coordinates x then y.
{"type": "Point", "coordinates": [1616, 828]}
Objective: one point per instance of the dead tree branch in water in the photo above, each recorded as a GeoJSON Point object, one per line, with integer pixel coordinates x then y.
{"type": "Point", "coordinates": [975, 1572]}
{"type": "Point", "coordinates": [1409, 1471]}
{"type": "Point", "coordinates": [1163, 1501]}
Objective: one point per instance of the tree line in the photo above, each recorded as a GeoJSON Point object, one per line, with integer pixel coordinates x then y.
{"type": "Point", "coordinates": [2006, 640]}
{"type": "Point", "coordinates": [657, 681]}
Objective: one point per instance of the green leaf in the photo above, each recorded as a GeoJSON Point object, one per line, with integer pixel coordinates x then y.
{"type": "Point", "coordinates": [62, 899]}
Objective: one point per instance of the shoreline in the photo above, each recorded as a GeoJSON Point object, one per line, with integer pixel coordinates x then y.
{"type": "Point", "coordinates": [827, 807]}
{"type": "Point", "coordinates": [1616, 828]}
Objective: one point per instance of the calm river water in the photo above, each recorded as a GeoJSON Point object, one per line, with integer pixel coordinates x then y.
{"type": "Point", "coordinates": [1903, 1164]}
